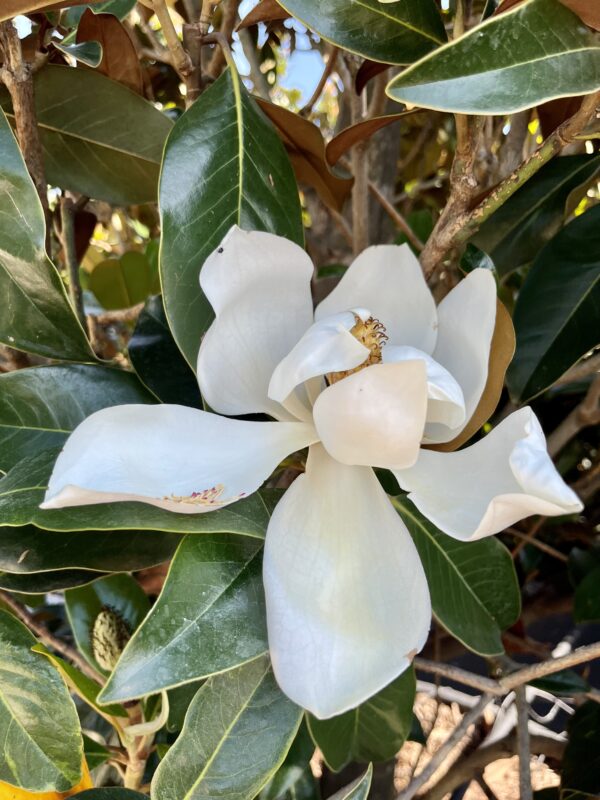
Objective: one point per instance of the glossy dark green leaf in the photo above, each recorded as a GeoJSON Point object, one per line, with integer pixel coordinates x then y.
{"type": "Point", "coordinates": [530, 54]}
{"type": "Point", "coordinates": [40, 406]}
{"type": "Point", "coordinates": [557, 316]}
{"type": "Point", "coordinates": [581, 761]}
{"type": "Point", "coordinates": [120, 8]}
{"type": "Point", "coordinates": [192, 634]}
{"type": "Point", "coordinates": [36, 315]}
{"type": "Point", "coordinates": [473, 585]}
{"type": "Point", "coordinates": [357, 790]}
{"type": "Point", "coordinates": [158, 361]}
{"type": "Point", "coordinates": [180, 698]}
{"type": "Point", "coordinates": [374, 731]}
{"type": "Point", "coordinates": [99, 138]}
{"type": "Point", "coordinates": [23, 488]}
{"type": "Point", "coordinates": [565, 683]}
{"type": "Point", "coordinates": [123, 282]}
{"type": "Point", "coordinates": [396, 33]}
{"type": "Point", "coordinates": [515, 234]}
{"type": "Point", "coordinates": [42, 748]}
{"type": "Point", "coordinates": [42, 582]}
{"type": "Point", "coordinates": [237, 732]}
{"type": "Point", "coordinates": [28, 549]}
{"type": "Point", "coordinates": [121, 593]}
{"type": "Point", "coordinates": [587, 598]}
{"type": "Point", "coordinates": [89, 53]}
{"type": "Point", "coordinates": [224, 164]}
{"type": "Point", "coordinates": [294, 768]}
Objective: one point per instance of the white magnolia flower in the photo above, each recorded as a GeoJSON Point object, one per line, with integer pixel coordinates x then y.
{"type": "Point", "coordinates": [376, 372]}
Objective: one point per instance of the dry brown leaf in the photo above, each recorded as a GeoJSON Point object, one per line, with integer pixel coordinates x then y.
{"type": "Point", "coordinates": [587, 10]}
{"type": "Point", "coordinates": [555, 112]}
{"type": "Point", "coordinates": [501, 352]}
{"type": "Point", "coordinates": [347, 138]}
{"type": "Point", "coordinates": [267, 11]}
{"type": "Point", "coordinates": [8, 792]}
{"type": "Point", "coordinates": [306, 147]}
{"type": "Point", "coordinates": [119, 57]}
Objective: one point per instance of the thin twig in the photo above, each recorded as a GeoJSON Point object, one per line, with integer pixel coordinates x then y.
{"type": "Point", "coordinates": [16, 75]}
{"type": "Point", "coordinates": [53, 642]}
{"type": "Point", "coordinates": [439, 756]}
{"type": "Point", "coordinates": [528, 538]}
{"type": "Point", "coordinates": [181, 60]}
{"type": "Point", "coordinates": [459, 675]}
{"type": "Point", "coordinates": [523, 751]}
{"type": "Point", "coordinates": [396, 217]}
{"type": "Point", "coordinates": [584, 415]}
{"type": "Point", "coordinates": [67, 235]}
{"type": "Point", "coordinates": [217, 61]}
{"type": "Point", "coordinates": [581, 371]}
{"type": "Point", "coordinates": [329, 67]}
{"type": "Point", "coordinates": [120, 316]}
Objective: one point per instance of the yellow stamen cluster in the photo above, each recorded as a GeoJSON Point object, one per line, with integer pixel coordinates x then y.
{"type": "Point", "coordinates": [372, 334]}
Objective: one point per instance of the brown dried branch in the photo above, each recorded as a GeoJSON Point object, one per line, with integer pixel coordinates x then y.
{"type": "Point", "coordinates": [47, 638]}
{"type": "Point", "coordinates": [587, 413]}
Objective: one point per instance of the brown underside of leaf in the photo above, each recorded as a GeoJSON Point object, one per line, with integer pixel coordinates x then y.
{"type": "Point", "coordinates": [367, 71]}
{"type": "Point", "coordinates": [267, 11]}
{"type": "Point", "coordinates": [501, 352]}
{"type": "Point", "coordinates": [119, 57]}
{"type": "Point", "coordinates": [12, 8]}
{"type": "Point", "coordinates": [306, 147]}
{"type": "Point", "coordinates": [587, 10]}
{"type": "Point", "coordinates": [350, 136]}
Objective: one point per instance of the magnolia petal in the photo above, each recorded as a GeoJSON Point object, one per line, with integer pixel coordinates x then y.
{"type": "Point", "coordinates": [483, 489]}
{"type": "Point", "coordinates": [446, 404]}
{"type": "Point", "coordinates": [466, 317]}
{"type": "Point", "coordinates": [327, 346]}
{"type": "Point", "coordinates": [388, 280]}
{"type": "Point", "coordinates": [376, 416]}
{"type": "Point", "coordinates": [347, 599]}
{"type": "Point", "coordinates": [259, 286]}
{"type": "Point", "coordinates": [169, 456]}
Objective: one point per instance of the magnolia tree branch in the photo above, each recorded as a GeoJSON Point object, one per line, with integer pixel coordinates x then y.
{"type": "Point", "coordinates": [523, 744]}
{"type": "Point", "coordinates": [584, 415]}
{"type": "Point", "coordinates": [583, 369]}
{"type": "Point", "coordinates": [16, 75]}
{"type": "Point", "coordinates": [459, 220]}
{"type": "Point", "coordinates": [326, 74]}
{"type": "Point", "coordinates": [67, 235]}
{"type": "Point", "coordinates": [181, 60]}
{"type": "Point", "coordinates": [47, 638]}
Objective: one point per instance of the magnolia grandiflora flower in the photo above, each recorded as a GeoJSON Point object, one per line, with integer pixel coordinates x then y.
{"type": "Point", "coordinates": [376, 377]}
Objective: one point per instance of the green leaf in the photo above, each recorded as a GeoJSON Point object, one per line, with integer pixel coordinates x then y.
{"type": "Point", "coordinates": [99, 138]}
{"type": "Point", "coordinates": [515, 234]}
{"type": "Point", "coordinates": [374, 731]}
{"type": "Point", "coordinates": [158, 361]}
{"type": "Point", "coordinates": [42, 749]}
{"type": "Point", "coordinates": [120, 8]}
{"type": "Point", "coordinates": [121, 593]}
{"type": "Point", "coordinates": [557, 316]}
{"type": "Point", "coordinates": [357, 790]}
{"type": "Point", "coordinates": [473, 585]}
{"type": "Point", "coordinates": [28, 550]}
{"type": "Point", "coordinates": [85, 687]}
{"type": "Point", "coordinates": [23, 488]}
{"type": "Point", "coordinates": [89, 53]}
{"type": "Point", "coordinates": [42, 582]}
{"type": "Point", "coordinates": [40, 406]}
{"type": "Point", "coordinates": [109, 794]}
{"type": "Point", "coordinates": [180, 698]}
{"type": "Point", "coordinates": [224, 164]}
{"type": "Point", "coordinates": [95, 753]}
{"type": "Point", "coordinates": [237, 732]}
{"type": "Point", "coordinates": [565, 683]}
{"type": "Point", "coordinates": [398, 33]}
{"type": "Point", "coordinates": [581, 761]}
{"type": "Point", "coordinates": [38, 317]}
{"type": "Point", "coordinates": [533, 53]}
{"type": "Point", "coordinates": [193, 634]}
{"type": "Point", "coordinates": [295, 767]}
{"type": "Point", "coordinates": [123, 282]}
{"type": "Point", "coordinates": [587, 598]}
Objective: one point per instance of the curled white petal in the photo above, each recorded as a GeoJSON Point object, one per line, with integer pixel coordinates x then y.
{"type": "Point", "coordinates": [347, 599]}
{"type": "Point", "coordinates": [376, 416]}
{"type": "Point", "coordinates": [259, 286]}
{"type": "Point", "coordinates": [485, 488]}
{"type": "Point", "coordinates": [388, 280]}
{"type": "Point", "coordinates": [170, 456]}
{"type": "Point", "coordinates": [446, 403]}
{"type": "Point", "coordinates": [327, 346]}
